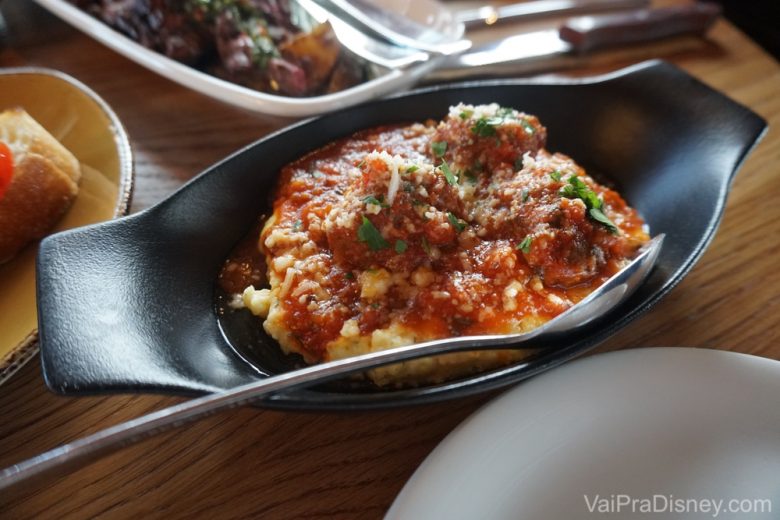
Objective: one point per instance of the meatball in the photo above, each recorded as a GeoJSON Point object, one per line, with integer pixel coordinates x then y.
{"type": "Point", "coordinates": [555, 232]}
{"type": "Point", "coordinates": [486, 137]}
{"type": "Point", "coordinates": [394, 215]}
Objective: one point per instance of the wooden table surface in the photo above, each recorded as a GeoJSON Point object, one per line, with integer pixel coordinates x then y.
{"type": "Point", "coordinates": [256, 463]}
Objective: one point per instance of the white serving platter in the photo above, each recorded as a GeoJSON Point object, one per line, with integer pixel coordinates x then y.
{"type": "Point", "coordinates": [386, 81]}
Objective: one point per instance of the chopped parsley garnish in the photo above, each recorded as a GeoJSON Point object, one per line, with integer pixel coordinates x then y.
{"type": "Point", "coordinates": [426, 246]}
{"type": "Point", "coordinates": [525, 244]}
{"type": "Point", "coordinates": [349, 276]}
{"type": "Point", "coordinates": [528, 127]}
{"type": "Point", "coordinates": [485, 127]}
{"type": "Point", "coordinates": [555, 175]}
{"type": "Point", "coordinates": [577, 189]}
{"type": "Point", "coordinates": [524, 196]}
{"type": "Point", "coordinates": [376, 201]}
{"type": "Point", "coordinates": [465, 114]}
{"type": "Point", "coordinates": [445, 169]}
{"type": "Point", "coordinates": [369, 234]}
{"type": "Point", "coordinates": [599, 216]}
{"type": "Point", "coordinates": [439, 148]}
{"type": "Point", "coordinates": [519, 163]}
{"type": "Point", "coordinates": [400, 246]}
{"type": "Point", "coordinates": [413, 168]}
{"type": "Point", "coordinates": [458, 224]}
{"type": "Point", "coordinates": [297, 225]}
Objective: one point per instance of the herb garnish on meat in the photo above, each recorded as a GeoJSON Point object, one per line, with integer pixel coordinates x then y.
{"type": "Point", "coordinates": [577, 189]}
{"type": "Point", "coordinates": [369, 234]}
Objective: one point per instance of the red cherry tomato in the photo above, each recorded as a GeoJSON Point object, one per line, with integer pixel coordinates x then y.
{"type": "Point", "coordinates": [6, 168]}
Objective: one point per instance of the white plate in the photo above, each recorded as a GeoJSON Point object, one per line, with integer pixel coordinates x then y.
{"type": "Point", "coordinates": [390, 81]}
{"type": "Point", "coordinates": [654, 425]}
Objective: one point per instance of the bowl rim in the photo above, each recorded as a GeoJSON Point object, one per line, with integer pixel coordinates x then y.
{"type": "Point", "coordinates": [754, 129]}
{"type": "Point", "coordinates": [28, 347]}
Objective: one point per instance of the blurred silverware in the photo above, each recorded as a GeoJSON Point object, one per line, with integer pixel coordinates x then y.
{"type": "Point", "coordinates": [491, 15]}
{"type": "Point", "coordinates": [578, 36]}
{"type": "Point", "coordinates": [370, 49]}
{"type": "Point", "coordinates": [424, 24]}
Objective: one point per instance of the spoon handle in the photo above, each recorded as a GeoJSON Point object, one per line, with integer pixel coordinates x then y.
{"type": "Point", "coordinates": [72, 456]}
{"type": "Point", "coordinates": [76, 454]}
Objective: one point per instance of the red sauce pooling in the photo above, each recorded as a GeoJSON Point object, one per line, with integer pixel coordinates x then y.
{"type": "Point", "coordinates": [245, 266]}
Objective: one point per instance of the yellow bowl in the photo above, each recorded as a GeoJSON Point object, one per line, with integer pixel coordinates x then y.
{"type": "Point", "coordinates": [88, 127]}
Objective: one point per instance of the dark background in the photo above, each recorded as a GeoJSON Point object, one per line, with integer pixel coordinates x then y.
{"type": "Point", "coordinates": [758, 18]}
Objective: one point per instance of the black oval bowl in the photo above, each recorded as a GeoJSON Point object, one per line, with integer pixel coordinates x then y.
{"type": "Point", "coordinates": [128, 305]}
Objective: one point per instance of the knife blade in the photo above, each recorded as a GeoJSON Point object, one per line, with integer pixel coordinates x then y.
{"type": "Point", "coordinates": [491, 15]}
{"type": "Point", "coordinates": [581, 35]}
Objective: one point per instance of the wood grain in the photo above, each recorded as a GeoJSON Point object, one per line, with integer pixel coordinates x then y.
{"type": "Point", "coordinates": [254, 463]}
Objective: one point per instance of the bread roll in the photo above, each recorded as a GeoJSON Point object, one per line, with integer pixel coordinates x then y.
{"type": "Point", "coordinates": [44, 183]}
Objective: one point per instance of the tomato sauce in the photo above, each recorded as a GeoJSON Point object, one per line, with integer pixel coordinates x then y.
{"type": "Point", "coordinates": [463, 227]}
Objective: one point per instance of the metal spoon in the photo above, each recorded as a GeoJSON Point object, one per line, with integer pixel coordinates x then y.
{"type": "Point", "coordinates": [395, 22]}
{"type": "Point", "coordinates": [576, 36]}
{"type": "Point", "coordinates": [68, 457]}
{"type": "Point", "coordinates": [367, 47]}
